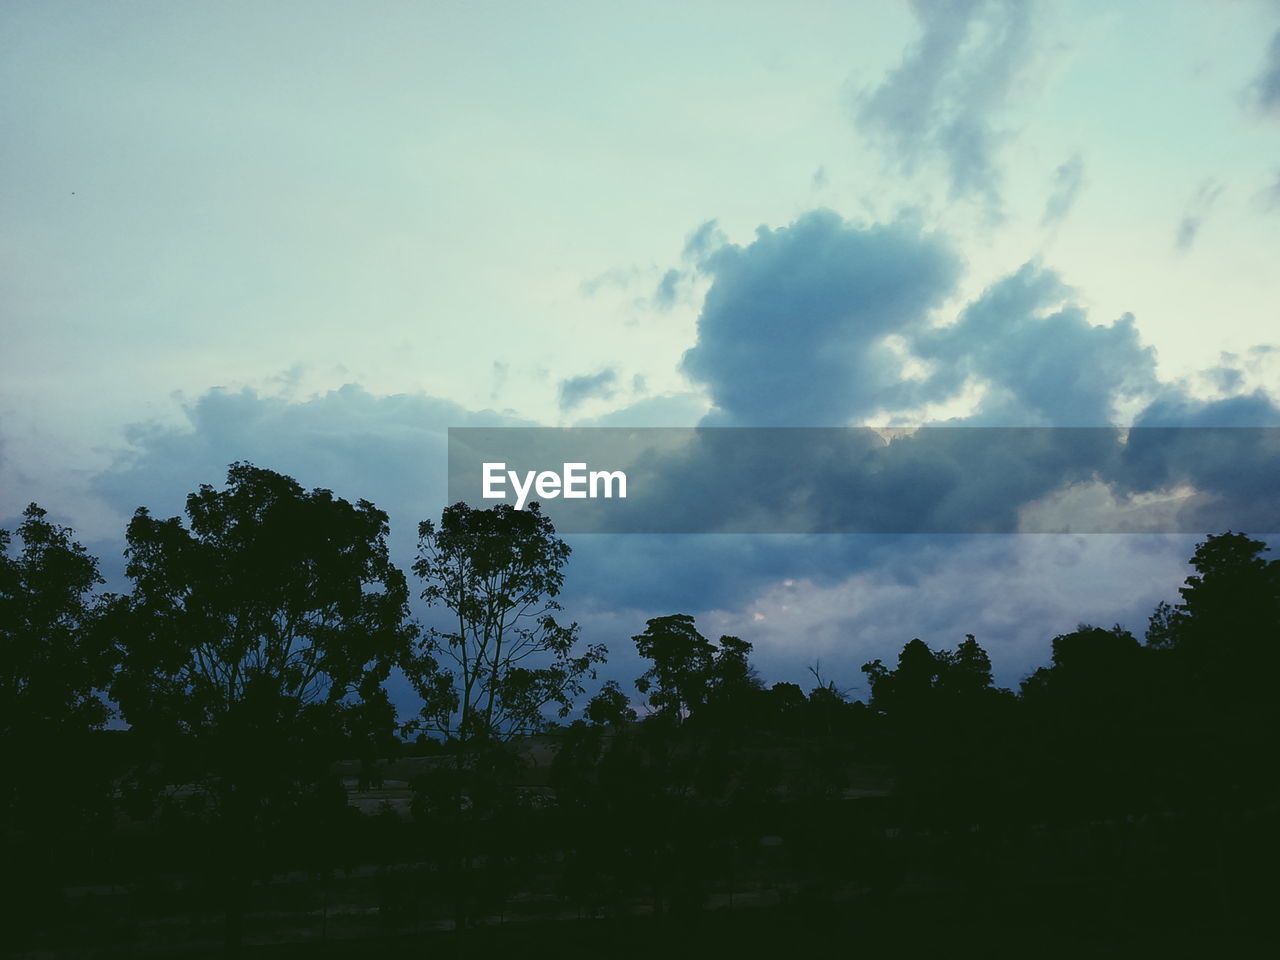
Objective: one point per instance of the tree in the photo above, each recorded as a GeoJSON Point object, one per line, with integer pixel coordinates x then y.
{"type": "Point", "coordinates": [609, 706]}
{"type": "Point", "coordinates": [55, 786]}
{"type": "Point", "coordinates": [731, 675]}
{"type": "Point", "coordinates": [254, 646]}
{"type": "Point", "coordinates": [1095, 673]}
{"type": "Point", "coordinates": [682, 662]}
{"type": "Point", "coordinates": [1223, 634]}
{"type": "Point", "coordinates": [506, 660]}
{"type": "Point", "coordinates": [966, 672]}
{"type": "Point", "coordinates": [277, 615]}
{"type": "Point", "coordinates": [909, 688]}
{"type": "Point", "coordinates": [52, 663]}
{"type": "Point", "coordinates": [1233, 596]}
{"type": "Point", "coordinates": [690, 674]}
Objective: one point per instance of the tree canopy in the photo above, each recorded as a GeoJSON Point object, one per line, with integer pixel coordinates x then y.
{"type": "Point", "coordinates": [505, 660]}
{"type": "Point", "coordinates": [264, 630]}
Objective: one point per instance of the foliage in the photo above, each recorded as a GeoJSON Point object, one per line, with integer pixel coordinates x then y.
{"type": "Point", "coordinates": [506, 660]}
{"type": "Point", "coordinates": [52, 663]}
{"type": "Point", "coordinates": [690, 673]}
{"type": "Point", "coordinates": [55, 787]}
{"type": "Point", "coordinates": [261, 635]}
{"type": "Point", "coordinates": [609, 706]}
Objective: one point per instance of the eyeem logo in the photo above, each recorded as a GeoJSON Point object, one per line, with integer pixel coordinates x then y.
{"type": "Point", "coordinates": [573, 483]}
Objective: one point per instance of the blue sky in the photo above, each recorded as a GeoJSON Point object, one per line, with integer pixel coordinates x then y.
{"type": "Point", "coordinates": [316, 235]}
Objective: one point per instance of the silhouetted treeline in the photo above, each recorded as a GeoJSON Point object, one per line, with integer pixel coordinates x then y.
{"type": "Point", "coordinates": [265, 790]}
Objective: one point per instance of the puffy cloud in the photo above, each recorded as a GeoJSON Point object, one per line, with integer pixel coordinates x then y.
{"type": "Point", "coordinates": [812, 324]}
{"type": "Point", "coordinates": [388, 449]}
{"type": "Point", "coordinates": [793, 328]}
{"type": "Point", "coordinates": [1175, 408]}
{"type": "Point", "coordinates": [704, 240]}
{"type": "Point", "coordinates": [1042, 361]}
{"type": "Point", "coordinates": [815, 323]}
{"type": "Point", "coordinates": [941, 102]}
{"type": "Point", "coordinates": [667, 410]}
{"type": "Point", "coordinates": [575, 390]}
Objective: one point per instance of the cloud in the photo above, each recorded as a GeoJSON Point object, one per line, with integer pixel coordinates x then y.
{"type": "Point", "coordinates": [1014, 593]}
{"type": "Point", "coordinates": [812, 325]}
{"type": "Point", "coordinates": [664, 297]}
{"type": "Point", "coordinates": [1225, 379]}
{"type": "Point", "coordinates": [793, 327]}
{"type": "Point", "coordinates": [941, 103]}
{"type": "Point", "coordinates": [864, 595]}
{"type": "Point", "coordinates": [1068, 178]}
{"type": "Point", "coordinates": [668, 410]}
{"type": "Point", "coordinates": [819, 322]}
{"type": "Point", "coordinates": [1265, 89]}
{"type": "Point", "coordinates": [1040, 359]}
{"type": "Point", "coordinates": [703, 241]}
{"type": "Point", "coordinates": [576, 390]}
{"type": "Point", "coordinates": [616, 278]}
{"type": "Point", "coordinates": [793, 332]}
{"type": "Point", "coordinates": [1197, 210]}
{"type": "Point", "coordinates": [388, 449]}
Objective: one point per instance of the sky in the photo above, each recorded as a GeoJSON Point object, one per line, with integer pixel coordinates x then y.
{"type": "Point", "coordinates": [316, 235]}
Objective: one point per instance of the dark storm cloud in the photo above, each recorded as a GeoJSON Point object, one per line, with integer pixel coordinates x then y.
{"type": "Point", "coordinates": [1225, 378]}
{"type": "Point", "coordinates": [1042, 361]}
{"type": "Point", "coordinates": [1068, 178]}
{"type": "Point", "coordinates": [795, 329]}
{"type": "Point", "coordinates": [575, 390]}
{"type": "Point", "coordinates": [1176, 409]}
{"type": "Point", "coordinates": [713, 571]}
{"type": "Point", "coordinates": [796, 480]}
{"type": "Point", "coordinates": [1228, 450]}
{"type": "Point", "coordinates": [942, 101]}
{"type": "Point", "coordinates": [792, 330]}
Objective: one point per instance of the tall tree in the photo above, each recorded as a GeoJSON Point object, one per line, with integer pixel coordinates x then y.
{"type": "Point", "coordinates": [255, 642]}
{"type": "Point", "coordinates": [52, 663]}
{"type": "Point", "coordinates": [966, 672]}
{"type": "Point", "coordinates": [907, 689]}
{"type": "Point", "coordinates": [254, 647]}
{"type": "Point", "coordinates": [55, 783]}
{"type": "Point", "coordinates": [505, 660]}
{"type": "Point", "coordinates": [682, 658]}
{"type": "Point", "coordinates": [1223, 634]}
{"type": "Point", "coordinates": [609, 706]}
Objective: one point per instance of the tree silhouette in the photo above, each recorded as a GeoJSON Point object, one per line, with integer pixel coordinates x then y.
{"type": "Point", "coordinates": [1226, 626]}
{"type": "Point", "coordinates": [55, 787]}
{"type": "Point", "coordinates": [682, 662]}
{"type": "Point", "coordinates": [609, 705]}
{"type": "Point", "coordinates": [254, 644]}
{"type": "Point", "coordinates": [51, 662]}
{"type": "Point", "coordinates": [506, 660]}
